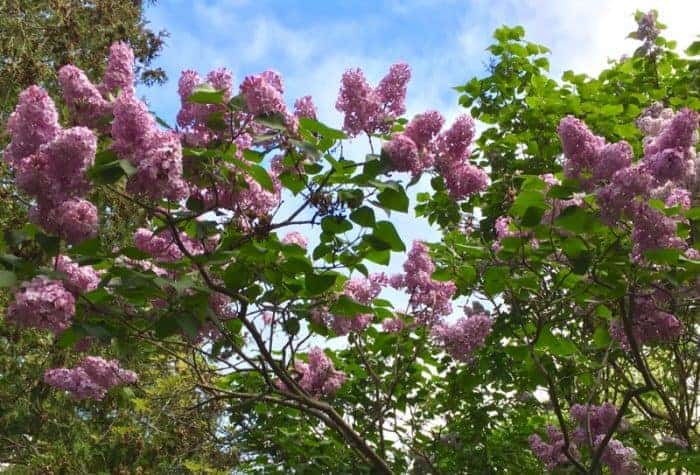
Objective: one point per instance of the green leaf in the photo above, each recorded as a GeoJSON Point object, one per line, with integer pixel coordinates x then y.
{"type": "Point", "coordinates": [525, 200]}
{"type": "Point", "coordinates": [335, 224]}
{"type": "Point", "coordinates": [260, 175]}
{"type": "Point", "coordinates": [7, 278]}
{"type": "Point", "coordinates": [495, 279]}
{"type": "Point", "coordinates": [576, 220]}
{"type": "Point", "coordinates": [296, 265]}
{"type": "Point", "coordinates": [206, 94]}
{"type": "Point", "coordinates": [106, 173]}
{"type": "Point", "coordinates": [50, 244]}
{"type": "Point", "coordinates": [68, 338]}
{"type": "Point", "coordinates": [385, 232]}
{"type": "Point", "coordinates": [601, 337]}
{"type": "Point", "coordinates": [663, 256]}
{"type": "Point", "coordinates": [188, 324]}
{"type": "Point", "coordinates": [312, 125]}
{"type": "Point", "coordinates": [393, 199]}
{"type": "Point", "coordinates": [128, 168]}
{"type": "Point", "coordinates": [364, 216]}
{"type": "Point", "coordinates": [347, 307]}
{"type": "Point", "coordinates": [237, 276]}
{"type": "Point", "coordinates": [557, 345]}
{"type": "Point", "coordinates": [318, 283]}
{"type": "Point", "coordinates": [166, 326]}
{"type": "Point", "coordinates": [291, 326]}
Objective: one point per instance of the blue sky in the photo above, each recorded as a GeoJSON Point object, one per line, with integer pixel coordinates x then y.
{"type": "Point", "coordinates": [312, 42]}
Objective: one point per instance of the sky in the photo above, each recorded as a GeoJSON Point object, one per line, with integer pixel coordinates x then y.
{"type": "Point", "coordinates": [311, 43]}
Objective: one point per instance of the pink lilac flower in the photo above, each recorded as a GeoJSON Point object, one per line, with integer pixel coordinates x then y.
{"type": "Point", "coordinates": [679, 133]}
{"type": "Point", "coordinates": [163, 246]}
{"type": "Point", "coordinates": [647, 30]}
{"type": "Point", "coordinates": [193, 117]}
{"type": "Point", "coordinates": [57, 171]}
{"type": "Point", "coordinates": [372, 110]}
{"type": "Point", "coordinates": [91, 379]}
{"type": "Point", "coordinates": [295, 238]}
{"type": "Point", "coordinates": [464, 179]}
{"type": "Point", "coordinates": [79, 279]}
{"type": "Point", "coordinates": [620, 459]}
{"type": "Point", "coordinates": [132, 127]}
{"type": "Point", "coordinates": [424, 128]}
{"type": "Point", "coordinates": [650, 324]}
{"type": "Point", "coordinates": [428, 298]}
{"type": "Point", "coordinates": [550, 180]}
{"type": "Point", "coordinates": [189, 112]}
{"type": "Point", "coordinates": [42, 303]}
{"type": "Point", "coordinates": [653, 230]}
{"type": "Point", "coordinates": [357, 100]}
{"type": "Point", "coordinates": [581, 148]}
{"type": "Point", "coordinates": [86, 104]}
{"type": "Point", "coordinates": [611, 158]}
{"type": "Point", "coordinates": [159, 171]}
{"type": "Point", "coordinates": [454, 143]}
{"type": "Point", "coordinates": [318, 376]}
{"type": "Point", "coordinates": [393, 325]}
{"type": "Point", "coordinates": [76, 220]}
{"type": "Point", "coordinates": [464, 337]}
{"type": "Point", "coordinates": [391, 90]}
{"type": "Point", "coordinates": [263, 94]}
{"type": "Point", "coordinates": [33, 123]}
{"type": "Point", "coordinates": [364, 291]}
{"type": "Point", "coordinates": [551, 453]}
{"type": "Point", "coordinates": [461, 177]}
{"type": "Point", "coordinates": [304, 107]}
{"type": "Point", "coordinates": [404, 156]}
{"type": "Point", "coordinates": [598, 418]}
{"type": "Point", "coordinates": [621, 197]}
{"type": "Point", "coordinates": [119, 73]}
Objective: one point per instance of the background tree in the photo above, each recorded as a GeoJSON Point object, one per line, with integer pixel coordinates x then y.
{"type": "Point", "coordinates": [158, 432]}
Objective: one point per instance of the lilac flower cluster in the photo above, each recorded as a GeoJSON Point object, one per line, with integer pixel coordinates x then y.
{"type": "Point", "coordinates": [551, 453]}
{"type": "Point", "coordinates": [91, 379]}
{"type": "Point", "coordinates": [263, 93]}
{"type": "Point", "coordinates": [372, 110]}
{"type": "Point", "coordinates": [295, 238]}
{"type": "Point", "coordinates": [42, 303]}
{"type": "Point", "coordinates": [594, 422]}
{"type": "Point", "coordinates": [89, 104]}
{"type": "Point", "coordinates": [462, 338]}
{"type": "Point", "coordinates": [304, 107]}
{"type": "Point", "coordinates": [422, 146]}
{"type": "Point", "coordinates": [362, 290]}
{"type": "Point", "coordinates": [589, 158]}
{"type": "Point", "coordinates": [79, 279]}
{"type": "Point", "coordinates": [33, 123]}
{"type": "Point", "coordinates": [192, 117]}
{"type": "Point", "coordinates": [163, 246]}
{"type": "Point", "coordinates": [318, 377]}
{"type": "Point", "coordinates": [156, 154]}
{"type": "Point", "coordinates": [650, 324]}
{"type": "Point", "coordinates": [50, 165]}
{"type": "Point", "coordinates": [429, 299]}
{"type": "Point", "coordinates": [622, 188]}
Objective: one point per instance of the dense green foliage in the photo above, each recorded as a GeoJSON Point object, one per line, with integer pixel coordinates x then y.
{"type": "Point", "coordinates": [237, 403]}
